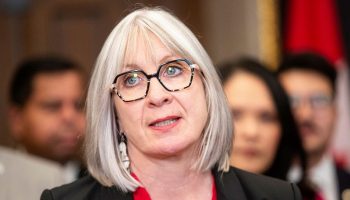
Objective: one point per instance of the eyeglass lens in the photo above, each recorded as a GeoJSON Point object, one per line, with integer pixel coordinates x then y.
{"type": "Point", "coordinates": [315, 101]}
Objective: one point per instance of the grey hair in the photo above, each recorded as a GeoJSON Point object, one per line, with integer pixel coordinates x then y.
{"type": "Point", "coordinates": [101, 147]}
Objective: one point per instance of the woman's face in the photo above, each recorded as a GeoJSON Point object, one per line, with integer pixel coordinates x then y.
{"type": "Point", "coordinates": [164, 124]}
{"type": "Point", "coordinates": [257, 128]}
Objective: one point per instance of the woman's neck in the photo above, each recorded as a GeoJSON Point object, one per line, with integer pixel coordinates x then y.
{"type": "Point", "coordinates": [171, 178]}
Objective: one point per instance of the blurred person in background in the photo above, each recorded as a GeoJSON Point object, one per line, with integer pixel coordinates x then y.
{"type": "Point", "coordinates": [266, 139]}
{"type": "Point", "coordinates": [46, 116]}
{"type": "Point", "coordinates": [23, 176]}
{"type": "Point", "coordinates": [309, 80]}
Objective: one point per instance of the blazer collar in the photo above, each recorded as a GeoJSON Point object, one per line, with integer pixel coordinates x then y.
{"type": "Point", "coordinates": [228, 186]}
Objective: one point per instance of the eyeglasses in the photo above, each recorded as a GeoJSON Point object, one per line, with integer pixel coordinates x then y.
{"type": "Point", "coordinates": [174, 76]}
{"type": "Point", "coordinates": [316, 101]}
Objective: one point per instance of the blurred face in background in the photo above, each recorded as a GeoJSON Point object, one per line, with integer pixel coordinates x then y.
{"type": "Point", "coordinates": [312, 102]}
{"type": "Point", "coordinates": [256, 125]}
{"type": "Point", "coordinates": [51, 122]}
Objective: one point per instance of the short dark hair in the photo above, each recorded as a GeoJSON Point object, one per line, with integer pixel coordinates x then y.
{"type": "Point", "coordinates": [309, 61]}
{"type": "Point", "coordinates": [290, 144]}
{"type": "Point", "coordinates": [21, 84]}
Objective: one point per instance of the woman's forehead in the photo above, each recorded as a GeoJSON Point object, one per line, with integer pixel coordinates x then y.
{"type": "Point", "coordinates": [146, 48]}
{"type": "Point", "coordinates": [156, 54]}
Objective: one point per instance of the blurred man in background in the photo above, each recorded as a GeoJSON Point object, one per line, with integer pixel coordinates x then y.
{"type": "Point", "coordinates": [46, 116]}
{"type": "Point", "coordinates": [309, 80]}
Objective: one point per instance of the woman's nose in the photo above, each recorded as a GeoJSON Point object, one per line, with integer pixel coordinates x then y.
{"type": "Point", "coordinates": [157, 94]}
{"type": "Point", "coordinates": [249, 129]}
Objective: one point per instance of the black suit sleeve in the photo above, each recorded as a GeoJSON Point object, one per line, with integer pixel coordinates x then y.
{"type": "Point", "coordinates": [46, 195]}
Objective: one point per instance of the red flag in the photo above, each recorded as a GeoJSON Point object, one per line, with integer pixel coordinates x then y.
{"type": "Point", "coordinates": [312, 25]}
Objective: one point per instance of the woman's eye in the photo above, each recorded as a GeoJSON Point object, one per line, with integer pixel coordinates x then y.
{"type": "Point", "coordinates": [236, 114]}
{"type": "Point", "coordinates": [173, 71]}
{"type": "Point", "coordinates": [267, 117]}
{"type": "Point", "coordinates": [131, 80]}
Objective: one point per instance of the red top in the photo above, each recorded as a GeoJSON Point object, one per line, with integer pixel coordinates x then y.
{"type": "Point", "coordinates": [142, 194]}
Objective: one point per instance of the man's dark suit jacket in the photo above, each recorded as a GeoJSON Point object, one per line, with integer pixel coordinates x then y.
{"type": "Point", "coordinates": [232, 185]}
{"type": "Point", "coordinates": [343, 181]}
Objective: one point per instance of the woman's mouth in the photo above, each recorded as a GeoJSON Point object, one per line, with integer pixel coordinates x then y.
{"type": "Point", "coordinates": [165, 123]}
{"type": "Point", "coordinates": [250, 152]}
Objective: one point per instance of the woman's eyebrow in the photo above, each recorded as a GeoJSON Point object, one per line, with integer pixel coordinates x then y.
{"type": "Point", "coordinates": [131, 66]}
{"type": "Point", "coordinates": [167, 58]}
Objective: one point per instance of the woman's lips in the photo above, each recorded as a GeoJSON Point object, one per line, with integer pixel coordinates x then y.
{"type": "Point", "coordinates": [164, 124]}
{"type": "Point", "coordinates": [250, 152]}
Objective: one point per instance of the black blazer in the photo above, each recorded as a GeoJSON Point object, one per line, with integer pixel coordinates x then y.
{"type": "Point", "coordinates": [232, 185]}
{"type": "Point", "coordinates": [343, 181]}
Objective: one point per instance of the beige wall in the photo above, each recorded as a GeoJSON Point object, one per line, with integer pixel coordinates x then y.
{"type": "Point", "coordinates": [231, 28]}
{"type": "Point", "coordinates": [227, 28]}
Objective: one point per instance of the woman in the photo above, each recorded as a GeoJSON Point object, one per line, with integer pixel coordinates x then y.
{"type": "Point", "coordinates": [159, 126]}
{"type": "Point", "coordinates": [267, 139]}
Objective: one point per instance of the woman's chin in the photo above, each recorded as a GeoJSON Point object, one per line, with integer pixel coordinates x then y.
{"type": "Point", "coordinates": [170, 151]}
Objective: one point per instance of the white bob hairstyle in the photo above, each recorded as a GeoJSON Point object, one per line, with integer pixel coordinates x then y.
{"type": "Point", "coordinates": [101, 147]}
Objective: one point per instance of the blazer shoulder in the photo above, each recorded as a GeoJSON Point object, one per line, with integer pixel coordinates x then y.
{"type": "Point", "coordinates": [343, 180]}
{"type": "Point", "coordinates": [260, 186]}
{"type": "Point", "coordinates": [343, 174]}
{"type": "Point", "coordinates": [84, 188]}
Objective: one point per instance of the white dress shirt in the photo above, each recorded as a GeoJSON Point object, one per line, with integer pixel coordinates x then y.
{"type": "Point", "coordinates": [24, 177]}
{"type": "Point", "coordinates": [324, 175]}
{"type": "Point", "coordinates": [71, 171]}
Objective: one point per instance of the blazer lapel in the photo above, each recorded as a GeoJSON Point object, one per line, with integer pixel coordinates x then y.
{"type": "Point", "coordinates": [112, 193]}
{"type": "Point", "coordinates": [343, 182]}
{"type": "Point", "coordinates": [228, 186]}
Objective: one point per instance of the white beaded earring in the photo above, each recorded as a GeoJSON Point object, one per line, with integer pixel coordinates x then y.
{"type": "Point", "coordinates": [123, 152]}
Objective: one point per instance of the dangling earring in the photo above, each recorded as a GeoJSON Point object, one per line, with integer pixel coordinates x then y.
{"type": "Point", "coordinates": [123, 152]}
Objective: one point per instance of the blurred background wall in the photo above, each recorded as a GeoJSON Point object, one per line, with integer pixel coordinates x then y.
{"type": "Point", "coordinates": [78, 28]}
{"type": "Point", "coordinates": [264, 29]}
